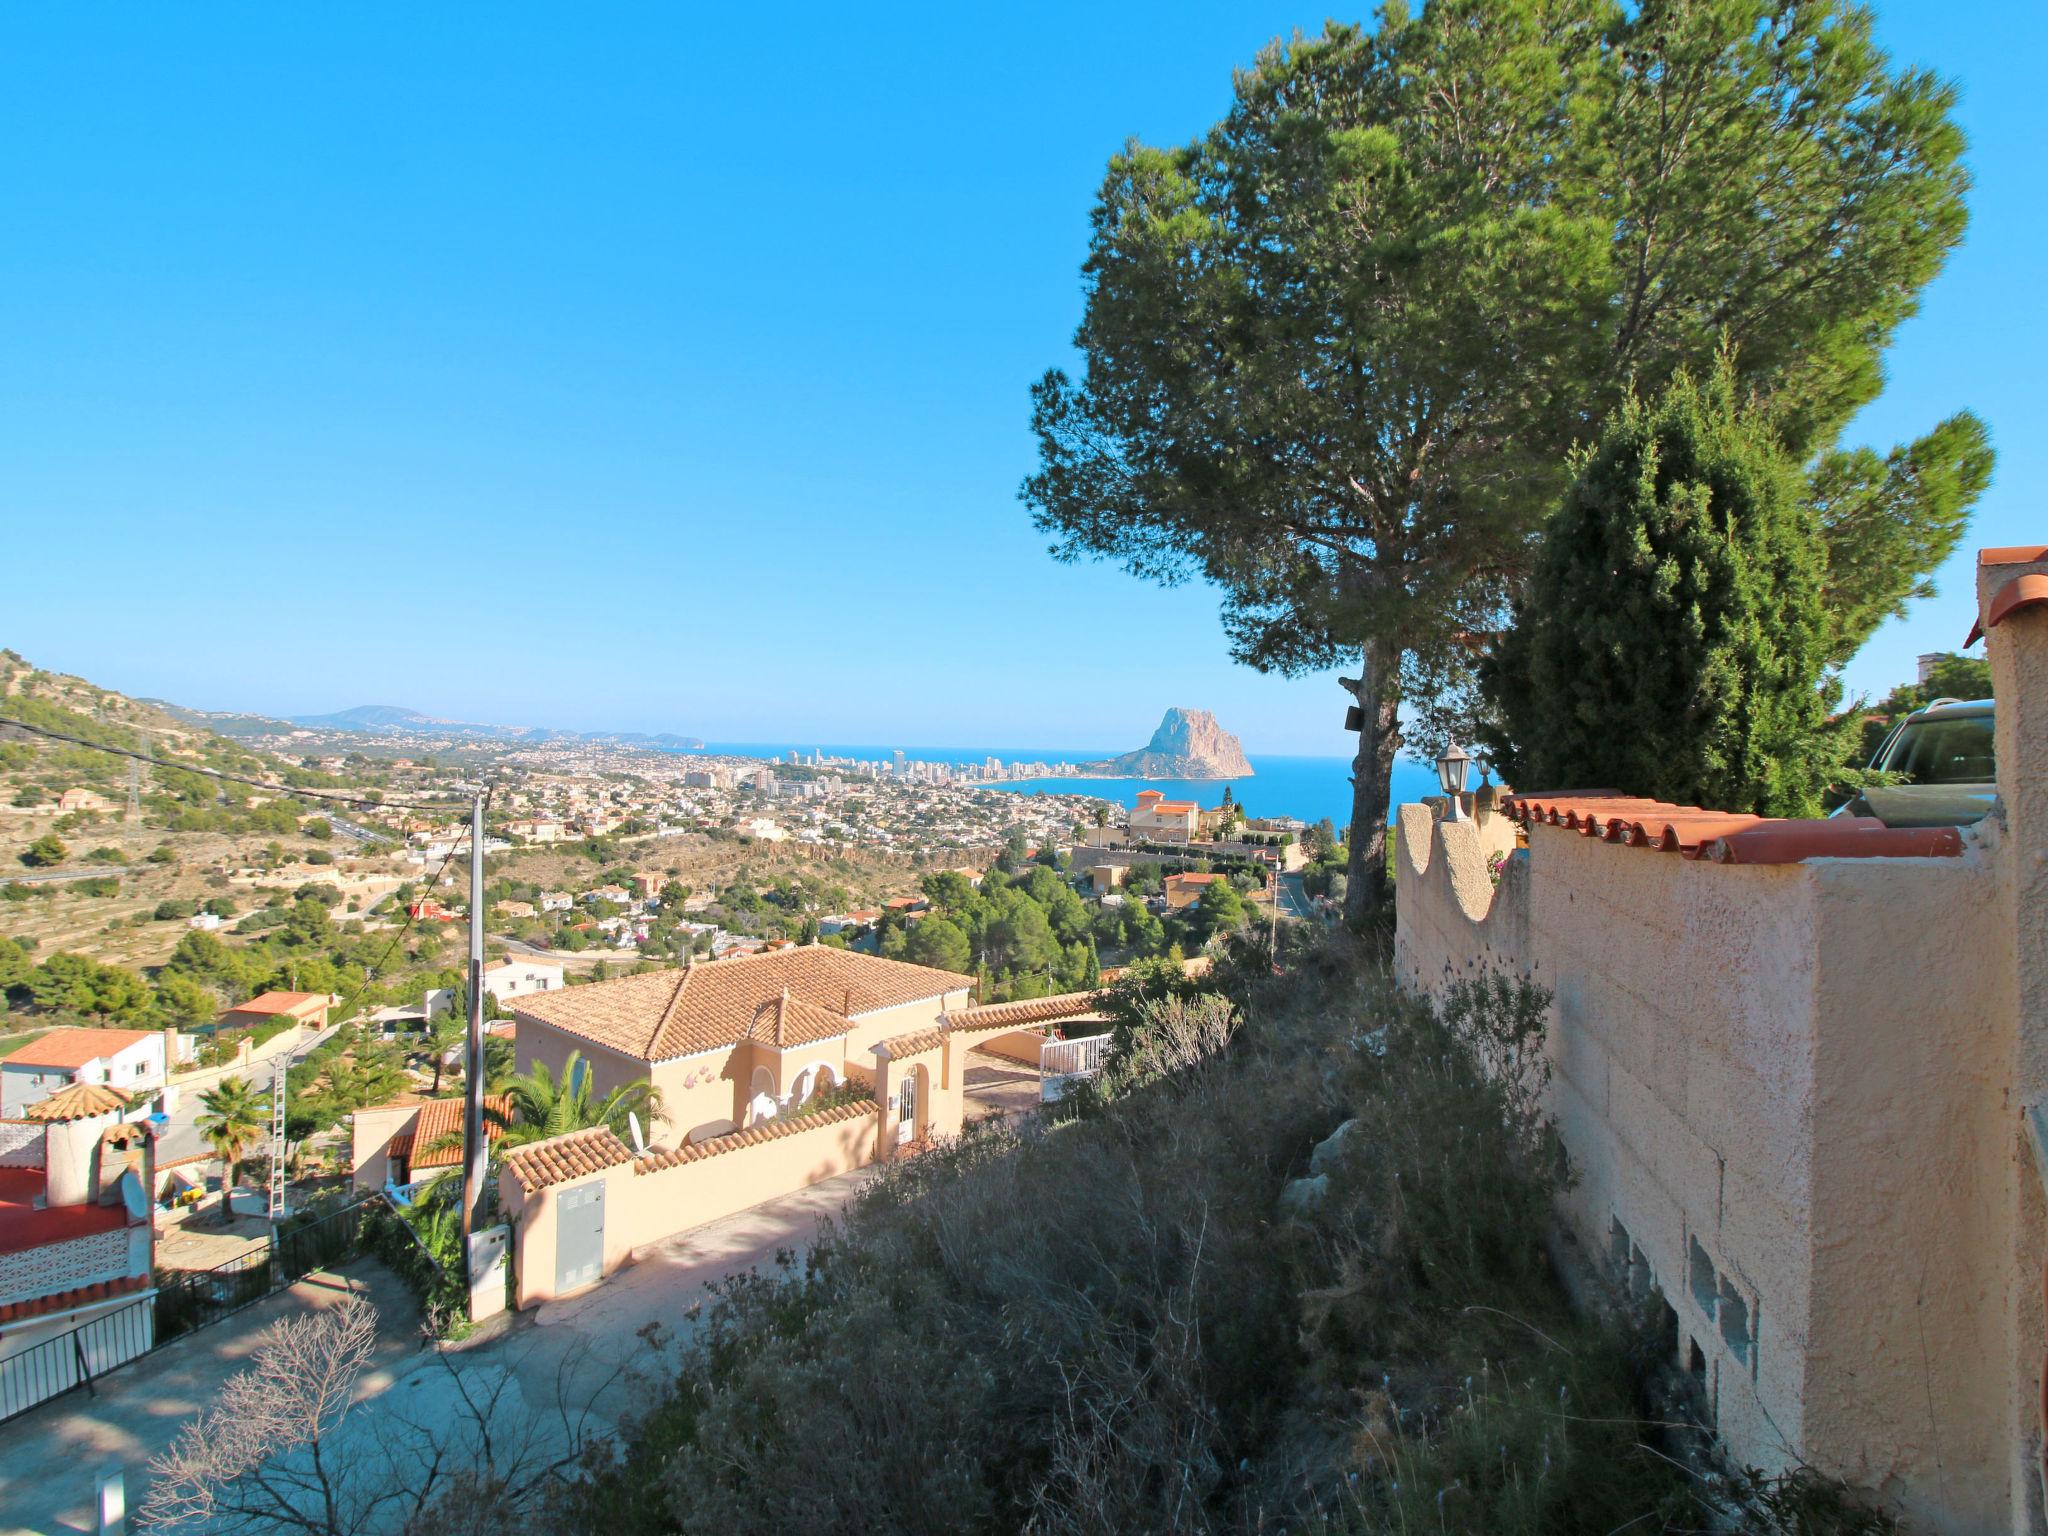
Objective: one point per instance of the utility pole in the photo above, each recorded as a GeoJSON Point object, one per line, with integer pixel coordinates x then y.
{"type": "Point", "coordinates": [473, 1070]}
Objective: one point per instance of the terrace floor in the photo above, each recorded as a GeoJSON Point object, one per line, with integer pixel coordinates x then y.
{"type": "Point", "coordinates": [22, 1225]}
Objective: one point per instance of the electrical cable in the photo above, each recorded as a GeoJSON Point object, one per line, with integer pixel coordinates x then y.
{"type": "Point", "coordinates": [8, 723]}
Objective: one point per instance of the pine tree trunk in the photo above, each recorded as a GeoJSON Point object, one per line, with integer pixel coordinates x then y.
{"type": "Point", "coordinates": [1368, 895]}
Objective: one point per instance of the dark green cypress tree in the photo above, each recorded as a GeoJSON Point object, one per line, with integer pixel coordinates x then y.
{"type": "Point", "coordinates": [1673, 642]}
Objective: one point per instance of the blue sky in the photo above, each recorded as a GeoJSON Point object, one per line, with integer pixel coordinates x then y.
{"type": "Point", "coordinates": [654, 367]}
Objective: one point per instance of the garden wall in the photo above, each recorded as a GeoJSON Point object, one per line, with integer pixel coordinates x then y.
{"type": "Point", "coordinates": [1776, 1082]}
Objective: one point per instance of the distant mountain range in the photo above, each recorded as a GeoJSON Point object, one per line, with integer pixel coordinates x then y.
{"type": "Point", "coordinates": [1189, 744]}
{"type": "Point", "coordinates": [392, 720]}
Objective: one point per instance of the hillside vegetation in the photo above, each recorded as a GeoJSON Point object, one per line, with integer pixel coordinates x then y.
{"type": "Point", "coordinates": [1286, 1270]}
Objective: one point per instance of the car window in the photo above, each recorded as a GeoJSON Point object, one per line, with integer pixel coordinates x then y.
{"type": "Point", "coordinates": [1956, 751]}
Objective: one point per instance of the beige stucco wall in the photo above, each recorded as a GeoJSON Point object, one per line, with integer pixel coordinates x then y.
{"type": "Point", "coordinates": [1797, 1069]}
{"type": "Point", "coordinates": [644, 1208]}
{"type": "Point", "coordinates": [370, 1133]}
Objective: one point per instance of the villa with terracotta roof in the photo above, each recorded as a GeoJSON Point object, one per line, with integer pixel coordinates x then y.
{"type": "Point", "coordinates": [308, 1009]}
{"type": "Point", "coordinates": [132, 1060]}
{"type": "Point", "coordinates": [740, 1051]}
{"type": "Point", "coordinates": [1160, 820]}
{"type": "Point", "coordinates": [740, 1040]}
{"type": "Point", "coordinates": [402, 1143]}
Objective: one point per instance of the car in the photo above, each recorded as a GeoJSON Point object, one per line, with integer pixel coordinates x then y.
{"type": "Point", "coordinates": [1945, 766]}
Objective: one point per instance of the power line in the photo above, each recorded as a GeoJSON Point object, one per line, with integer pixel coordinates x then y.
{"type": "Point", "coordinates": [357, 801]}
{"type": "Point", "coordinates": [281, 1081]}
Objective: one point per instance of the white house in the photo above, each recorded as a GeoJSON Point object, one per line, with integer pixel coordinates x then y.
{"type": "Point", "coordinates": [556, 901]}
{"type": "Point", "coordinates": [517, 975]}
{"type": "Point", "coordinates": [131, 1060]}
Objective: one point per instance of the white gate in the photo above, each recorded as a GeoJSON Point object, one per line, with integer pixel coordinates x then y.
{"type": "Point", "coordinates": [1062, 1063]}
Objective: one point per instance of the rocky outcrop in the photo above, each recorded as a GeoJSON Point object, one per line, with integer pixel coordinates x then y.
{"type": "Point", "coordinates": [1189, 744]}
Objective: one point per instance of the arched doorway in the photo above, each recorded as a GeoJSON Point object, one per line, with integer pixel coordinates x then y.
{"type": "Point", "coordinates": [913, 1105]}
{"type": "Point", "coordinates": [761, 1102]}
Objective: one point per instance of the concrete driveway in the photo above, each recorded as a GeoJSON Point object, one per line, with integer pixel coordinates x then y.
{"type": "Point", "coordinates": [51, 1456]}
{"type": "Point", "coordinates": [541, 1378]}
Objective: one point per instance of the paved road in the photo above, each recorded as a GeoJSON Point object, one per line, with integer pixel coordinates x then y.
{"type": "Point", "coordinates": [1294, 901]}
{"type": "Point", "coordinates": [180, 1137]}
{"type": "Point", "coordinates": [562, 1364]}
{"type": "Point", "coordinates": [50, 1456]}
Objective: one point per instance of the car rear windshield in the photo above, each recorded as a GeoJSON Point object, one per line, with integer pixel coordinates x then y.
{"type": "Point", "coordinates": [1956, 751]}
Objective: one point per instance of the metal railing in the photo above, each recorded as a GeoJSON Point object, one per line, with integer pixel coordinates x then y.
{"type": "Point", "coordinates": [75, 1358]}
{"type": "Point", "coordinates": [198, 1297]}
{"type": "Point", "coordinates": [1060, 1062]}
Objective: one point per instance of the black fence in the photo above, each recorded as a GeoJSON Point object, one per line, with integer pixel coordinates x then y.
{"type": "Point", "coordinates": [74, 1359]}
{"type": "Point", "coordinates": [191, 1299]}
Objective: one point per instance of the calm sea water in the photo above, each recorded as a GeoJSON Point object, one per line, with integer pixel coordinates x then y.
{"type": "Point", "coordinates": [1308, 787]}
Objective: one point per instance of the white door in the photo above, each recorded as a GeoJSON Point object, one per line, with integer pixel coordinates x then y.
{"type": "Point", "coordinates": [906, 1110]}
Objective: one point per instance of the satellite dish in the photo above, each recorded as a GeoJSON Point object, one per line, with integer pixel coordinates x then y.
{"type": "Point", "coordinates": [639, 1141]}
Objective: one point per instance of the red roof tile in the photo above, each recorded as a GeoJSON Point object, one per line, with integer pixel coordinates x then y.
{"type": "Point", "coordinates": [74, 1047]}
{"type": "Point", "coordinates": [753, 1135]}
{"type": "Point", "coordinates": [1726, 837]}
{"type": "Point", "coordinates": [77, 1296]}
{"type": "Point", "coordinates": [540, 1164]}
{"type": "Point", "coordinates": [80, 1101]}
{"type": "Point", "coordinates": [281, 1002]}
{"type": "Point", "coordinates": [2028, 591]}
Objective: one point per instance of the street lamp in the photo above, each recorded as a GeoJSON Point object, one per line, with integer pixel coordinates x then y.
{"type": "Point", "coordinates": [1453, 768]}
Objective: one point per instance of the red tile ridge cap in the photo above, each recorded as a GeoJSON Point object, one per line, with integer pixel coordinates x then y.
{"type": "Point", "coordinates": [2028, 591]}
{"type": "Point", "coordinates": [1840, 837]}
{"type": "Point", "coordinates": [2013, 554]}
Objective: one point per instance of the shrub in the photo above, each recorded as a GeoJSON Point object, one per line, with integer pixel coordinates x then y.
{"type": "Point", "coordinates": [169, 911]}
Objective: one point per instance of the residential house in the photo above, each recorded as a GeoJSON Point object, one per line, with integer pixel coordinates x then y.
{"type": "Point", "coordinates": [538, 829]}
{"type": "Point", "coordinates": [307, 1009]}
{"type": "Point", "coordinates": [86, 800]}
{"type": "Point", "coordinates": [516, 975]}
{"type": "Point", "coordinates": [739, 1051]}
{"type": "Point", "coordinates": [412, 1140]}
{"type": "Point", "coordinates": [1183, 891]}
{"type": "Point", "coordinates": [1104, 878]}
{"type": "Point", "coordinates": [556, 901]}
{"type": "Point", "coordinates": [617, 895]}
{"type": "Point", "coordinates": [517, 909]}
{"type": "Point", "coordinates": [1160, 820]}
{"type": "Point", "coordinates": [739, 1041]}
{"type": "Point", "coordinates": [133, 1060]}
{"type": "Point", "coordinates": [76, 1240]}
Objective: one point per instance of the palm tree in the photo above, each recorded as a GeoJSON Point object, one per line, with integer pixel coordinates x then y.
{"type": "Point", "coordinates": [236, 1116]}
{"type": "Point", "coordinates": [443, 1035]}
{"type": "Point", "coordinates": [544, 1105]}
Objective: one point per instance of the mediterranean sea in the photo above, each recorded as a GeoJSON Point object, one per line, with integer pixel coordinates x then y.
{"type": "Point", "coordinates": [1308, 787]}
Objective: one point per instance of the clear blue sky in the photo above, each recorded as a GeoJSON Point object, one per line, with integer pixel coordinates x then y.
{"type": "Point", "coordinates": [654, 367]}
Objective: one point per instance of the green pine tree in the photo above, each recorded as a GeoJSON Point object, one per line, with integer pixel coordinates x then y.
{"type": "Point", "coordinates": [1674, 641]}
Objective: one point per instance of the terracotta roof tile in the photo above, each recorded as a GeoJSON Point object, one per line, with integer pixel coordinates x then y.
{"type": "Point", "coordinates": [2028, 591]}
{"type": "Point", "coordinates": [1726, 837]}
{"type": "Point", "coordinates": [909, 1045]}
{"type": "Point", "coordinates": [74, 1047]}
{"type": "Point", "coordinates": [81, 1101]}
{"type": "Point", "coordinates": [785, 1021]}
{"type": "Point", "coordinates": [1025, 1011]}
{"type": "Point", "coordinates": [753, 1136]}
{"type": "Point", "coordinates": [660, 1015]}
{"type": "Point", "coordinates": [282, 1002]}
{"type": "Point", "coordinates": [440, 1119]}
{"type": "Point", "coordinates": [541, 1164]}
{"type": "Point", "coordinates": [77, 1296]}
